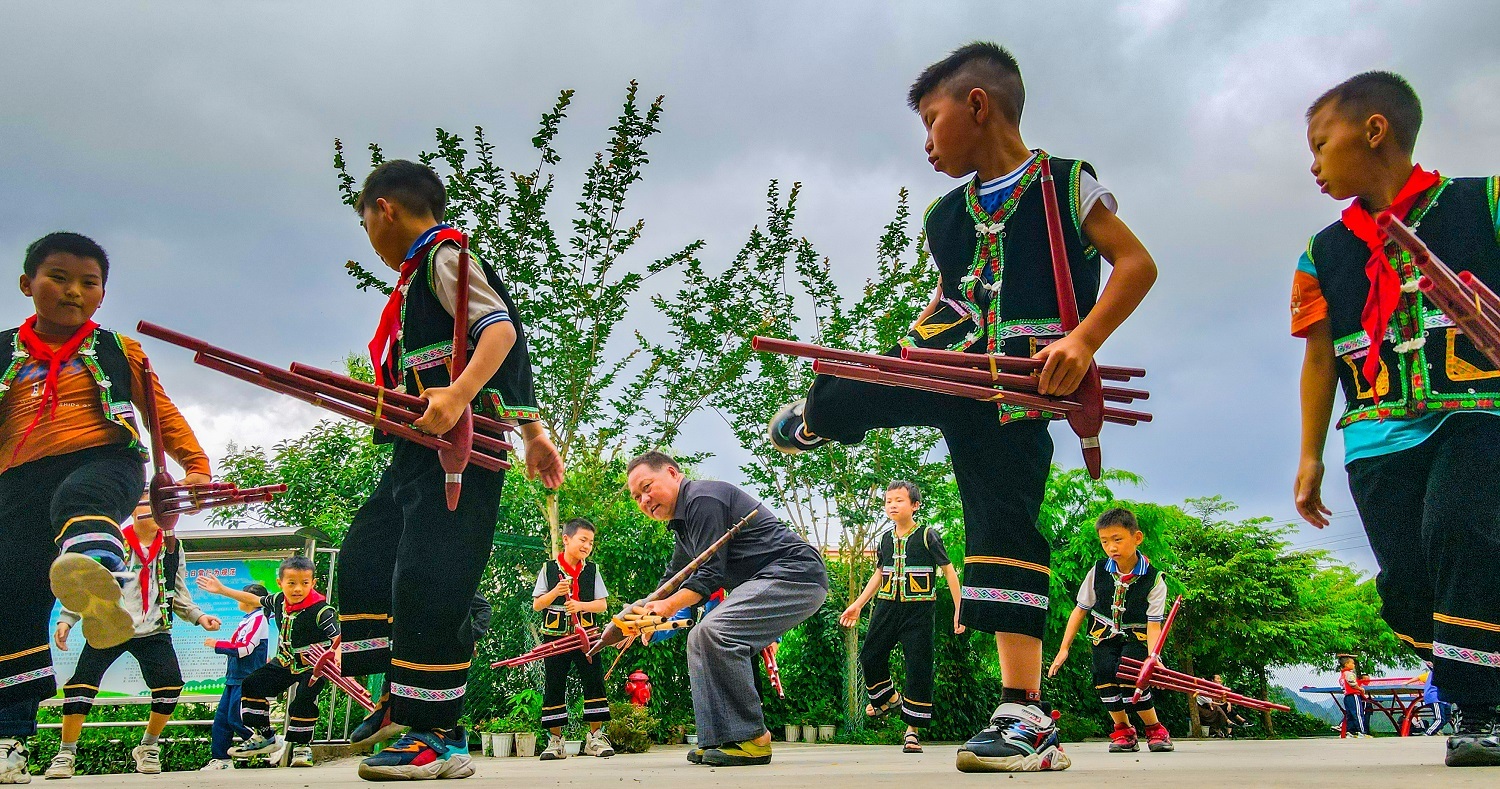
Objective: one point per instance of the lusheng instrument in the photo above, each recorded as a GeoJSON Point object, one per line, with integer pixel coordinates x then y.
{"type": "Point", "coordinates": [1152, 673]}
{"type": "Point", "coordinates": [1468, 302]}
{"type": "Point", "coordinates": [321, 659]}
{"type": "Point", "coordinates": [580, 638]}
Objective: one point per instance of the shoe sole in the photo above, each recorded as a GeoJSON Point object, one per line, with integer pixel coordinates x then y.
{"type": "Point", "coordinates": [236, 753]}
{"type": "Point", "coordinates": [1050, 759]}
{"type": "Point", "coordinates": [1162, 748]}
{"type": "Point", "coordinates": [1121, 749]}
{"type": "Point", "coordinates": [457, 766]}
{"type": "Point", "coordinates": [695, 757]}
{"type": "Point", "coordinates": [735, 761]}
{"type": "Point", "coordinates": [1472, 756]}
{"type": "Point", "coordinates": [84, 587]}
{"type": "Point", "coordinates": [49, 776]}
{"type": "Point", "coordinates": [551, 757]}
{"type": "Point", "coordinates": [382, 734]}
{"type": "Point", "coordinates": [15, 775]}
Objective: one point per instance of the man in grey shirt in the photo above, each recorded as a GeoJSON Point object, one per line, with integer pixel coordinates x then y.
{"type": "Point", "coordinates": [772, 578]}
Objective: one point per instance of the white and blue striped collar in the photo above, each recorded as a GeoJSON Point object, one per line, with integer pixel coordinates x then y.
{"type": "Point", "coordinates": [1006, 181]}
{"type": "Point", "coordinates": [1142, 564]}
{"type": "Point", "coordinates": [426, 238]}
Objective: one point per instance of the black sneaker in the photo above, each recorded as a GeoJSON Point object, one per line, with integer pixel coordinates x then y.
{"type": "Point", "coordinates": [1476, 741]}
{"type": "Point", "coordinates": [1020, 738]}
{"type": "Point", "coordinates": [788, 431]}
{"type": "Point", "coordinates": [376, 727]}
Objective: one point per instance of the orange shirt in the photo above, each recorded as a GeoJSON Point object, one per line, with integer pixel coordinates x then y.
{"type": "Point", "coordinates": [79, 422]}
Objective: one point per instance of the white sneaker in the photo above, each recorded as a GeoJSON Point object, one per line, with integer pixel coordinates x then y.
{"type": "Point", "coordinates": [147, 759]}
{"type": "Point", "coordinates": [597, 744]}
{"type": "Point", "coordinates": [218, 764]}
{"type": "Point", "coordinates": [302, 756]}
{"type": "Point", "coordinates": [62, 765]}
{"type": "Point", "coordinates": [13, 755]}
{"type": "Point", "coordinates": [556, 748]}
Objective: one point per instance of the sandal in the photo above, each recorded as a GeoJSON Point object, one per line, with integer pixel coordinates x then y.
{"type": "Point", "coordinates": [872, 712]}
{"type": "Point", "coordinates": [911, 743]}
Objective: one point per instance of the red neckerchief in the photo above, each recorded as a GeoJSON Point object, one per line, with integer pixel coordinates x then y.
{"type": "Point", "coordinates": [383, 344]}
{"type": "Point", "coordinates": [147, 558]}
{"type": "Point", "coordinates": [312, 599]}
{"type": "Point", "coordinates": [1385, 283]}
{"type": "Point", "coordinates": [53, 358]}
{"type": "Point", "coordinates": [572, 572]}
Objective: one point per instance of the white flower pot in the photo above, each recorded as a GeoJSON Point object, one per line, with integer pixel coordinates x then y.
{"type": "Point", "coordinates": [573, 747]}
{"type": "Point", "coordinates": [526, 744]}
{"type": "Point", "coordinates": [825, 733]}
{"type": "Point", "coordinates": [486, 743]}
{"type": "Point", "coordinates": [503, 743]}
{"type": "Point", "coordinates": [692, 739]}
{"type": "Point", "coordinates": [809, 733]}
{"type": "Point", "coordinates": [793, 732]}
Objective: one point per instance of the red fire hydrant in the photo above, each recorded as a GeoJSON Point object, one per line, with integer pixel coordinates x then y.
{"type": "Point", "coordinates": [638, 688]}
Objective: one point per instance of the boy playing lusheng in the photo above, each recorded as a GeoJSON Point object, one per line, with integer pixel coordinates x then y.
{"type": "Point", "coordinates": [1419, 401]}
{"type": "Point", "coordinates": [571, 586]}
{"type": "Point", "coordinates": [71, 469]}
{"type": "Point", "coordinates": [409, 568]}
{"type": "Point", "coordinates": [303, 619]}
{"type": "Point", "coordinates": [996, 294]}
{"type": "Point", "coordinates": [246, 650]}
{"type": "Point", "coordinates": [909, 557]}
{"type": "Point", "coordinates": [1125, 598]}
{"type": "Point", "coordinates": [146, 598]}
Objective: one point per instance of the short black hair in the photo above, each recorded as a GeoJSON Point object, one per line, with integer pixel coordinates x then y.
{"type": "Point", "coordinates": [258, 590]}
{"type": "Point", "coordinates": [571, 527]}
{"type": "Point", "coordinates": [294, 563]}
{"type": "Point", "coordinates": [65, 242]}
{"type": "Point", "coordinates": [656, 460]}
{"type": "Point", "coordinates": [912, 491]}
{"type": "Point", "coordinates": [979, 64]}
{"type": "Point", "coordinates": [1377, 93]}
{"type": "Point", "coordinates": [414, 186]}
{"type": "Point", "coordinates": [1119, 516]}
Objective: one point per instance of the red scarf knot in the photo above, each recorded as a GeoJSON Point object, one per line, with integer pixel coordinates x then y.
{"type": "Point", "coordinates": [572, 573]}
{"type": "Point", "coordinates": [39, 350]}
{"type": "Point", "coordinates": [147, 558]}
{"type": "Point", "coordinates": [385, 345]}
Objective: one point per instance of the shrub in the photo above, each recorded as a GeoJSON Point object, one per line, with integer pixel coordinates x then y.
{"type": "Point", "coordinates": [630, 728]}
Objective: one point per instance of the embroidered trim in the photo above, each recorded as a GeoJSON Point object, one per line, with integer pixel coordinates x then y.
{"type": "Point", "coordinates": [1014, 596]}
{"type": "Point", "coordinates": [361, 617]}
{"type": "Point", "coordinates": [29, 676]}
{"type": "Point", "coordinates": [96, 536]}
{"type": "Point", "coordinates": [1477, 657]}
{"type": "Point", "coordinates": [905, 710]}
{"type": "Point", "coordinates": [1413, 642]}
{"type": "Point", "coordinates": [426, 694]}
{"type": "Point", "coordinates": [431, 356]}
{"type": "Point", "coordinates": [430, 668]}
{"type": "Point", "coordinates": [24, 653]}
{"type": "Point", "coordinates": [366, 645]}
{"type": "Point", "coordinates": [1474, 623]}
{"type": "Point", "coordinates": [1008, 562]}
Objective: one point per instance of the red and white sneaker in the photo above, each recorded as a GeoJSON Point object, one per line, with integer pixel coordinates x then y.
{"type": "Point", "coordinates": [1123, 739]}
{"type": "Point", "coordinates": [1157, 739]}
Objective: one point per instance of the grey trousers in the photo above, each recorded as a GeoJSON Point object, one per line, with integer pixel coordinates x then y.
{"type": "Point", "coordinates": [724, 650]}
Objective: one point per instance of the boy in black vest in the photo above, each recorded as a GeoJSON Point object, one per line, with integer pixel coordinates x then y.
{"type": "Point", "coordinates": [409, 568]}
{"type": "Point", "coordinates": [996, 294]}
{"type": "Point", "coordinates": [904, 586]}
{"type": "Point", "coordinates": [570, 591]}
{"type": "Point", "coordinates": [1419, 420]}
{"type": "Point", "coordinates": [71, 469]}
{"type": "Point", "coordinates": [1125, 597]}
{"type": "Point", "coordinates": [303, 619]}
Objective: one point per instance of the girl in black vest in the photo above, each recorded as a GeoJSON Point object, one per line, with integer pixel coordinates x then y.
{"type": "Point", "coordinates": [1124, 597]}
{"type": "Point", "coordinates": [570, 592]}
{"type": "Point", "coordinates": [1420, 410]}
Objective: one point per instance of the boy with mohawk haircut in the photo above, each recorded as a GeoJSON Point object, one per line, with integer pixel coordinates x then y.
{"type": "Point", "coordinates": [996, 294]}
{"type": "Point", "coordinates": [1419, 400]}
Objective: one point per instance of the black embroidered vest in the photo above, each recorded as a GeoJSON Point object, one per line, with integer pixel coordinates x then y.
{"type": "Point", "coordinates": [555, 619]}
{"type": "Point", "coordinates": [910, 567]}
{"type": "Point", "coordinates": [427, 346]}
{"type": "Point", "coordinates": [1427, 365]}
{"type": "Point", "coordinates": [1113, 617]}
{"type": "Point", "coordinates": [103, 355]}
{"type": "Point", "coordinates": [1023, 317]}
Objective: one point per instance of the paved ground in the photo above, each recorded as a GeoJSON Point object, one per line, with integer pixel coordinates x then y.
{"type": "Point", "coordinates": [1323, 763]}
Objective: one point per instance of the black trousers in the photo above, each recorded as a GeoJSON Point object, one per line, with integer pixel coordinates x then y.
{"type": "Point", "coordinates": [554, 703]}
{"type": "Point", "coordinates": [409, 572]}
{"type": "Point", "coordinates": [1002, 478]}
{"type": "Point", "coordinates": [270, 681]}
{"type": "Point", "coordinates": [1113, 691]}
{"type": "Point", "coordinates": [1432, 513]}
{"type": "Point", "coordinates": [910, 626]}
{"type": "Point", "coordinates": [71, 502]}
{"type": "Point", "coordinates": [159, 668]}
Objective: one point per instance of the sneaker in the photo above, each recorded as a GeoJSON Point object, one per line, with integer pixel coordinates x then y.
{"type": "Point", "coordinates": [1476, 741]}
{"type": "Point", "coordinates": [738, 754]}
{"type": "Point", "coordinates": [421, 756]}
{"type": "Point", "coordinates": [597, 744]}
{"type": "Point", "coordinates": [1123, 739]}
{"type": "Point", "coordinates": [147, 759]}
{"type": "Point", "coordinates": [302, 756]}
{"type": "Point", "coordinates": [556, 749]}
{"type": "Point", "coordinates": [695, 756]}
{"type": "Point", "coordinates": [62, 765]}
{"type": "Point", "coordinates": [13, 755]}
{"type": "Point", "coordinates": [376, 727]}
{"type": "Point", "coordinates": [1020, 738]}
{"type": "Point", "coordinates": [257, 746]}
{"type": "Point", "coordinates": [218, 764]}
{"type": "Point", "coordinates": [1158, 739]}
{"type": "Point", "coordinates": [85, 586]}
{"type": "Point", "coordinates": [788, 431]}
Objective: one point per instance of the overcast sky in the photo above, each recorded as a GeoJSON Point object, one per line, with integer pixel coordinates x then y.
{"type": "Point", "coordinates": [194, 141]}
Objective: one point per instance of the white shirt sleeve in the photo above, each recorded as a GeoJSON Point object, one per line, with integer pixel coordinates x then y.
{"type": "Point", "coordinates": [485, 306]}
{"type": "Point", "coordinates": [542, 586]}
{"type": "Point", "coordinates": [600, 591]}
{"type": "Point", "coordinates": [1156, 601]}
{"type": "Point", "coordinates": [1086, 592]}
{"type": "Point", "coordinates": [1090, 192]}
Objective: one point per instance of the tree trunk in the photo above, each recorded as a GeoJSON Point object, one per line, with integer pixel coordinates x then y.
{"type": "Point", "coordinates": [554, 523]}
{"type": "Point", "coordinates": [853, 714]}
{"type": "Point", "coordinates": [1195, 723]}
{"type": "Point", "coordinates": [1265, 687]}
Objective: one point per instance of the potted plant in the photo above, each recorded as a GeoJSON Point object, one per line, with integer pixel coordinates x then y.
{"type": "Point", "coordinates": [793, 732]}
{"type": "Point", "coordinates": [692, 735]}
{"type": "Point", "coordinates": [809, 732]}
{"type": "Point", "coordinates": [524, 720]}
{"type": "Point", "coordinates": [481, 731]}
